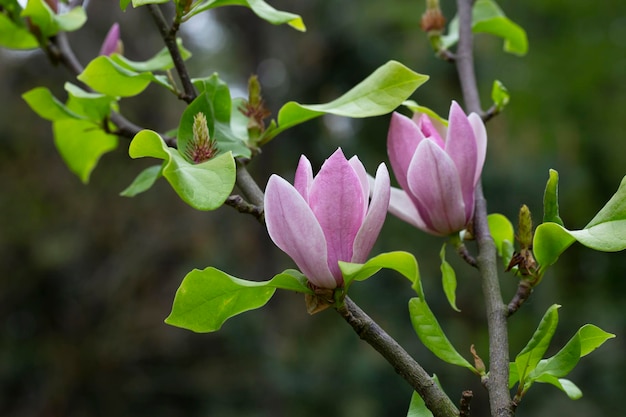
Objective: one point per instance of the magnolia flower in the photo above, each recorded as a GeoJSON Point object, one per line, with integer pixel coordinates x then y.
{"type": "Point", "coordinates": [112, 42]}
{"type": "Point", "coordinates": [327, 218]}
{"type": "Point", "coordinates": [438, 169]}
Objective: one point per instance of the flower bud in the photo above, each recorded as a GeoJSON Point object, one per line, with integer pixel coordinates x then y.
{"type": "Point", "coordinates": [201, 148]}
{"type": "Point", "coordinates": [112, 43]}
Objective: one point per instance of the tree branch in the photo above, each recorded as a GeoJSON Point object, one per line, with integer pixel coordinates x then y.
{"type": "Point", "coordinates": [498, 381]}
{"type": "Point", "coordinates": [436, 400]}
{"type": "Point", "coordinates": [169, 37]}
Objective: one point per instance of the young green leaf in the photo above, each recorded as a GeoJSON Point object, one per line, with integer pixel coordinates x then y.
{"type": "Point", "coordinates": [49, 22]}
{"type": "Point", "coordinates": [81, 144]}
{"type": "Point", "coordinates": [565, 385]}
{"type": "Point", "coordinates": [13, 36]}
{"type": "Point", "coordinates": [402, 262]}
{"type": "Point", "coordinates": [380, 93]}
{"type": "Point", "coordinates": [216, 104]}
{"type": "Point", "coordinates": [527, 360]}
{"type": "Point", "coordinates": [501, 230]}
{"type": "Point", "coordinates": [203, 186]}
{"type": "Point", "coordinates": [551, 200]}
{"type": "Point", "coordinates": [162, 61]}
{"type": "Point", "coordinates": [432, 336]}
{"type": "Point", "coordinates": [207, 298]}
{"type": "Point", "coordinates": [93, 106]}
{"type": "Point", "coordinates": [499, 95]}
{"type": "Point", "coordinates": [41, 100]}
{"type": "Point", "coordinates": [259, 7]}
{"type": "Point", "coordinates": [108, 77]}
{"type": "Point", "coordinates": [143, 182]}
{"type": "Point", "coordinates": [487, 17]}
{"type": "Point", "coordinates": [586, 340]}
{"type": "Point", "coordinates": [448, 279]}
{"type": "Point", "coordinates": [417, 407]}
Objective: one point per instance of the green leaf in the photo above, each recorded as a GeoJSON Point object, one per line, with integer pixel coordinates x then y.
{"type": "Point", "coordinates": [203, 186]}
{"type": "Point", "coordinates": [93, 106]}
{"type": "Point", "coordinates": [500, 95]}
{"type": "Point", "coordinates": [14, 36]}
{"type": "Point", "coordinates": [380, 93]}
{"type": "Point", "coordinates": [527, 360]}
{"type": "Point", "coordinates": [137, 3]}
{"type": "Point", "coordinates": [448, 279]}
{"type": "Point", "coordinates": [259, 7]}
{"type": "Point", "coordinates": [586, 340]}
{"type": "Point", "coordinates": [216, 104]}
{"type": "Point", "coordinates": [416, 108]}
{"type": "Point", "coordinates": [162, 61]}
{"type": "Point", "coordinates": [49, 22]}
{"type": "Point", "coordinates": [42, 102]}
{"type": "Point", "coordinates": [107, 77]}
{"type": "Point", "coordinates": [124, 4]}
{"type": "Point", "coordinates": [81, 144]}
{"type": "Point", "coordinates": [565, 385]}
{"type": "Point", "coordinates": [487, 17]}
{"type": "Point", "coordinates": [207, 298]}
{"type": "Point", "coordinates": [143, 182]}
{"type": "Point", "coordinates": [417, 407]}
{"type": "Point", "coordinates": [432, 336]}
{"type": "Point", "coordinates": [551, 200]}
{"type": "Point", "coordinates": [402, 262]}
{"type": "Point", "coordinates": [605, 232]}
{"type": "Point", "coordinates": [502, 231]}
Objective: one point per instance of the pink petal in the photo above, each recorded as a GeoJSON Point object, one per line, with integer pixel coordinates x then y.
{"type": "Point", "coordinates": [336, 198]}
{"type": "Point", "coordinates": [434, 181]}
{"type": "Point", "coordinates": [426, 126]}
{"type": "Point", "coordinates": [295, 230]}
{"type": "Point", "coordinates": [111, 40]}
{"type": "Point", "coordinates": [480, 133]}
{"type": "Point", "coordinates": [304, 177]}
{"type": "Point", "coordinates": [403, 207]}
{"type": "Point", "coordinates": [376, 213]}
{"type": "Point", "coordinates": [402, 140]}
{"type": "Point", "coordinates": [359, 169]}
{"type": "Point", "coordinates": [462, 148]}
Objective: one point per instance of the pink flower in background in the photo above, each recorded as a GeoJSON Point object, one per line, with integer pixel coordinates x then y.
{"type": "Point", "coordinates": [327, 218]}
{"type": "Point", "coordinates": [112, 42]}
{"type": "Point", "coordinates": [438, 169]}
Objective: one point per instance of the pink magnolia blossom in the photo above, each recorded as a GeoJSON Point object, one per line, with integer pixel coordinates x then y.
{"type": "Point", "coordinates": [438, 169]}
{"type": "Point", "coordinates": [112, 41]}
{"type": "Point", "coordinates": [327, 218]}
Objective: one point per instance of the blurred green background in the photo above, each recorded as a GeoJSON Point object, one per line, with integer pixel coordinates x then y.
{"type": "Point", "coordinates": [87, 276]}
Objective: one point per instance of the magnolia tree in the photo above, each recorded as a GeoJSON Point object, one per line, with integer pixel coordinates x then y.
{"type": "Point", "coordinates": [328, 221]}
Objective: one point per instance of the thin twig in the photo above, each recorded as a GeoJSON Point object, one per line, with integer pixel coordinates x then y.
{"type": "Point", "coordinates": [243, 206]}
{"type": "Point", "coordinates": [169, 37]}
{"type": "Point", "coordinates": [436, 400]}
{"type": "Point", "coordinates": [497, 384]}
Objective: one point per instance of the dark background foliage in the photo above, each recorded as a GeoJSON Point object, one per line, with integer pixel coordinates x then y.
{"type": "Point", "coordinates": [87, 277]}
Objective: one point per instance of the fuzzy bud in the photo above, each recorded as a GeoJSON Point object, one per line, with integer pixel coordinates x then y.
{"type": "Point", "coordinates": [202, 147]}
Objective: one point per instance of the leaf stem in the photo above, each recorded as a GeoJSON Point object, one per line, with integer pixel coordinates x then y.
{"type": "Point", "coordinates": [436, 400]}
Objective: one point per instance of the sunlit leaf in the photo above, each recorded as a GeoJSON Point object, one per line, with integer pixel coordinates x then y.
{"type": "Point", "coordinates": [143, 182]}
{"type": "Point", "coordinates": [107, 77]}
{"type": "Point", "coordinates": [259, 7]}
{"type": "Point", "coordinates": [551, 200]}
{"type": "Point", "coordinates": [162, 61]}
{"type": "Point", "coordinates": [14, 36]}
{"type": "Point", "coordinates": [207, 298]}
{"type": "Point", "coordinates": [380, 93]}
{"type": "Point", "coordinates": [499, 95]}
{"type": "Point", "coordinates": [49, 22]}
{"type": "Point", "coordinates": [41, 100]}
{"type": "Point", "coordinates": [203, 186]}
{"type": "Point", "coordinates": [448, 279]}
{"type": "Point", "coordinates": [565, 385]}
{"type": "Point", "coordinates": [94, 106]}
{"type": "Point", "coordinates": [417, 407]}
{"type": "Point", "coordinates": [402, 262]}
{"type": "Point", "coordinates": [432, 336]}
{"type": "Point", "coordinates": [526, 361]}
{"type": "Point", "coordinates": [81, 144]}
{"type": "Point", "coordinates": [501, 230]}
